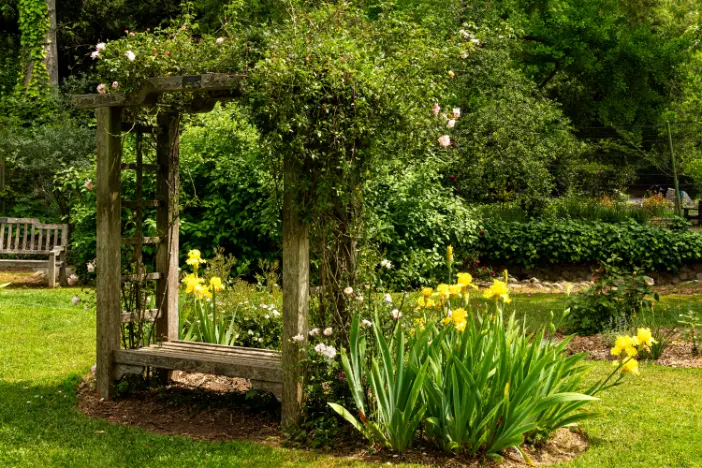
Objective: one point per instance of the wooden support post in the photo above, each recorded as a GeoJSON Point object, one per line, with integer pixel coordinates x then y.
{"type": "Point", "coordinates": [109, 224]}
{"type": "Point", "coordinates": [296, 285]}
{"type": "Point", "coordinates": [167, 155]}
{"type": "Point", "coordinates": [51, 270]}
{"type": "Point", "coordinates": [63, 257]}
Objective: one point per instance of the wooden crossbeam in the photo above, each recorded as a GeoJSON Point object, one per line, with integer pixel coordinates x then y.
{"type": "Point", "coordinates": [146, 167]}
{"type": "Point", "coordinates": [148, 315]}
{"type": "Point", "coordinates": [144, 277]}
{"type": "Point", "coordinates": [143, 240]}
{"type": "Point", "coordinates": [148, 92]}
{"type": "Point", "coordinates": [135, 204]}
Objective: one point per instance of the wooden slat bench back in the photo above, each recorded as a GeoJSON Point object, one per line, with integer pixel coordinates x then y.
{"type": "Point", "coordinates": [27, 236]}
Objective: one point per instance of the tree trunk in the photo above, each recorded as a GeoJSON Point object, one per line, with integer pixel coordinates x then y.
{"type": "Point", "coordinates": [51, 57]}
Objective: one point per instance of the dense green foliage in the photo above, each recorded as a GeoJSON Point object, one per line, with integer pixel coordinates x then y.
{"type": "Point", "coordinates": [628, 245]}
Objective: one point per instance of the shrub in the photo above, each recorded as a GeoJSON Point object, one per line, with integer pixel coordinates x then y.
{"type": "Point", "coordinates": [634, 246]}
{"type": "Point", "coordinates": [613, 302]}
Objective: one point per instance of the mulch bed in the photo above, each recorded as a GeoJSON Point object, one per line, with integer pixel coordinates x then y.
{"type": "Point", "coordinates": [210, 407]}
{"type": "Point", "coordinates": [677, 354]}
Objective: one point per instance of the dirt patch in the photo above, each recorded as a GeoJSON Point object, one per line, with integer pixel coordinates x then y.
{"type": "Point", "coordinates": [198, 406]}
{"type": "Point", "coordinates": [210, 407]}
{"type": "Point", "coordinates": [677, 354]}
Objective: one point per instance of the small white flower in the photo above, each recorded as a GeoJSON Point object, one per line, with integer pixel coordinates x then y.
{"type": "Point", "coordinates": [475, 41]}
{"type": "Point", "coordinates": [250, 332]}
{"type": "Point", "coordinates": [264, 306]}
{"type": "Point", "coordinates": [387, 298]}
{"type": "Point", "coordinates": [95, 54]}
{"type": "Point", "coordinates": [267, 316]}
{"type": "Point", "coordinates": [91, 267]}
{"type": "Point", "coordinates": [435, 110]}
{"type": "Point", "coordinates": [320, 348]}
{"type": "Point", "coordinates": [456, 112]}
{"type": "Point", "coordinates": [100, 46]}
{"type": "Point", "coordinates": [314, 332]}
{"type": "Point", "coordinates": [219, 40]}
{"type": "Point", "coordinates": [101, 88]}
{"type": "Point", "coordinates": [72, 280]}
{"type": "Point", "coordinates": [451, 123]}
{"type": "Point", "coordinates": [328, 331]}
{"type": "Point", "coordinates": [299, 338]}
{"type": "Point", "coordinates": [275, 313]}
{"type": "Point", "coordinates": [260, 340]}
{"type": "Point", "coordinates": [366, 323]}
{"type": "Point", "coordinates": [88, 184]}
{"type": "Point", "coordinates": [130, 55]}
{"type": "Point", "coordinates": [359, 298]}
{"type": "Point", "coordinates": [348, 290]}
{"type": "Point", "coordinates": [115, 85]}
{"type": "Point", "coordinates": [387, 264]}
{"type": "Point", "coordinates": [330, 352]}
{"type": "Point", "coordinates": [649, 281]}
{"type": "Point", "coordinates": [444, 140]}
{"type": "Point", "coordinates": [396, 314]}
{"type": "Point", "coordinates": [451, 74]}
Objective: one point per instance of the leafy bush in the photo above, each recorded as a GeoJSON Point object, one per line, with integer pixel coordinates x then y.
{"type": "Point", "coordinates": [613, 302]}
{"type": "Point", "coordinates": [634, 246]}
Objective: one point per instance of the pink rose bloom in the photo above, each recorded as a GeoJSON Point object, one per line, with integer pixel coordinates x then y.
{"type": "Point", "coordinates": [444, 141]}
{"type": "Point", "coordinates": [100, 46]}
{"type": "Point", "coordinates": [219, 40]}
{"type": "Point", "coordinates": [451, 123]}
{"type": "Point", "coordinates": [115, 85]}
{"type": "Point", "coordinates": [101, 88]}
{"type": "Point", "coordinates": [95, 54]}
{"type": "Point", "coordinates": [436, 109]}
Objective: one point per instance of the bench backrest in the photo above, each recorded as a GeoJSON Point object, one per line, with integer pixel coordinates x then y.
{"type": "Point", "coordinates": [31, 236]}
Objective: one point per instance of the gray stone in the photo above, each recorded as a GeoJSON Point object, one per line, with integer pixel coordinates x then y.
{"type": "Point", "coordinates": [699, 276]}
{"type": "Point", "coordinates": [534, 280]}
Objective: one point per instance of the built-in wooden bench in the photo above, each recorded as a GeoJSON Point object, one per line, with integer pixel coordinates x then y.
{"type": "Point", "coordinates": [28, 236]}
{"type": "Point", "coordinates": [261, 366]}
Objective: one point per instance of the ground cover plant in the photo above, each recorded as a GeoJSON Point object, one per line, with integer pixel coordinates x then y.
{"type": "Point", "coordinates": [47, 345]}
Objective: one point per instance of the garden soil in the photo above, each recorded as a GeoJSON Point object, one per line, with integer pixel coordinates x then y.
{"type": "Point", "coordinates": [209, 407]}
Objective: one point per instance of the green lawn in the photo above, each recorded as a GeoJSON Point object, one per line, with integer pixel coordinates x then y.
{"type": "Point", "coordinates": [46, 345]}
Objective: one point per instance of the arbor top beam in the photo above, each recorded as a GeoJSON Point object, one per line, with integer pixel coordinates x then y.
{"type": "Point", "coordinates": [212, 84]}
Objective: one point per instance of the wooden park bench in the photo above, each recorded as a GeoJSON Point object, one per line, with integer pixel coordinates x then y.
{"type": "Point", "coordinates": [26, 236]}
{"type": "Point", "coordinates": [695, 219]}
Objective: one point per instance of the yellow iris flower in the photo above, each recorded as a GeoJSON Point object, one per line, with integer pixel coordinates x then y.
{"type": "Point", "coordinates": [459, 318]}
{"type": "Point", "coordinates": [498, 290]}
{"type": "Point", "coordinates": [631, 367]}
{"type": "Point", "coordinates": [625, 344]}
{"type": "Point", "coordinates": [191, 281]}
{"type": "Point", "coordinates": [644, 337]}
{"type": "Point", "coordinates": [455, 290]}
{"type": "Point", "coordinates": [216, 283]}
{"type": "Point", "coordinates": [426, 292]}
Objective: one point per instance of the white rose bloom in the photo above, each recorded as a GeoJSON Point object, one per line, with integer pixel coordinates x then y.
{"type": "Point", "coordinates": [219, 40]}
{"type": "Point", "coordinates": [451, 123]}
{"type": "Point", "coordinates": [387, 298]}
{"type": "Point", "coordinates": [456, 112]}
{"type": "Point", "coordinates": [130, 55]}
{"type": "Point", "coordinates": [348, 290]}
{"type": "Point", "coordinates": [100, 46]}
{"type": "Point", "coordinates": [299, 338]}
{"type": "Point", "coordinates": [396, 314]}
{"type": "Point", "coordinates": [330, 352]}
{"type": "Point", "coordinates": [366, 323]}
{"type": "Point", "coordinates": [328, 331]}
{"type": "Point", "coordinates": [320, 348]}
{"type": "Point", "coordinates": [315, 332]}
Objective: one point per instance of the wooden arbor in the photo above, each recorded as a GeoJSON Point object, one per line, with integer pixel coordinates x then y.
{"type": "Point", "coordinates": [266, 369]}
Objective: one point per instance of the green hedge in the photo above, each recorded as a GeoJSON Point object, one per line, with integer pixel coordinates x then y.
{"type": "Point", "coordinates": [630, 244]}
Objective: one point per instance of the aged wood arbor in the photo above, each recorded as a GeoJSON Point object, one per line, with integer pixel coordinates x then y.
{"type": "Point", "coordinates": [279, 372]}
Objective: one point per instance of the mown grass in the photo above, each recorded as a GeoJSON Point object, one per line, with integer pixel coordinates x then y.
{"type": "Point", "coordinates": [46, 345]}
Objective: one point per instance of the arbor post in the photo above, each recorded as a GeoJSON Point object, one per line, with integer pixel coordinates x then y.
{"type": "Point", "coordinates": [167, 155]}
{"type": "Point", "coordinates": [108, 192]}
{"type": "Point", "coordinates": [296, 286]}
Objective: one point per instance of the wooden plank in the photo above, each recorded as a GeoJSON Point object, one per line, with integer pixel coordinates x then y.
{"type": "Point", "coordinates": [196, 345]}
{"type": "Point", "coordinates": [17, 231]}
{"type": "Point", "coordinates": [167, 224]}
{"type": "Point", "coordinates": [41, 233]}
{"type": "Point", "coordinates": [151, 88]}
{"type": "Point", "coordinates": [26, 252]}
{"type": "Point", "coordinates": [144, 240]}
{"type": "Point", "coordinates": [238, 353]}
{"type": "Point", "coordinates": [194, 362]}
{"type": "Point", "coordinates": [108, 191]}
{"type": "Point", "coordinates": [31, 240]}
{"type": "Point", "coordinates": [25, 263]}
{"type": "Point", "coordinates": [24, 236]}
{"type": "Point", "coordinates": [2, 236]}
{"type": "Point", "coordinates": [136, 204]}
{"type": "Point", "coordinates": [143, 277]}
{"type": "Point", "coordinates": [63, 278]}
{"type": "Point", "coordinates": [146, 167]}
{"type": "Point", "coordinates": [296, 285]}
{"type": "Point", "coordinates": [149, 316]}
